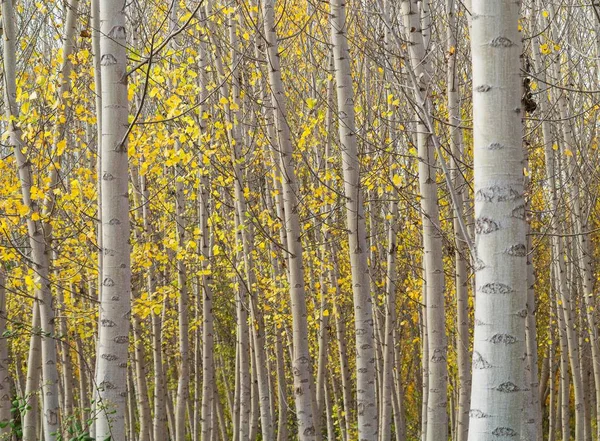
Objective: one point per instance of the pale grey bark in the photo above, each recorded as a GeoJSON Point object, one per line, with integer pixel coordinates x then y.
{"type": "Point", "coordinates": [308, 427]}
{"type": "Point", "coordinates": [143, 404]}
{"type": "Point", "coordinates": [461, 250]}
{"type": "Point", "coordinates": [115, 306]}
{"type": "Point", "coordinates": [424, 362]}
{"type": "Point", "coordinates": [5, 375]}
{"type": "Point", "coordinates": [366, 397]}
{"type": "Point", "coordinates": [34, 363]}
{"type": "Point", "coordinates": [499, 386]}
{"type": "Point", "coordinates": [390, 323]}
{"type": "Point", "coordinates": [65, 358]}
{"type": "Point", "coordinates": [437, 418]}
{"type": "Point", "coordinates": [208, 372]}
{"type": "Point", "coordinates": [282, 432]}
{"type": "Point", "coordinates": [36, 232]}
{"type": "Point", "coordinates": [183, 318]}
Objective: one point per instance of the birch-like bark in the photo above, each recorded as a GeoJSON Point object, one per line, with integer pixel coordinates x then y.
{"type": "Point", "coordinates": [183, 383]}
{"type": "Point", "coordinates": [159, 420]}
{"type": "Point", "coordinates": [301, 362]}
{"type": "Point", "coordinates": [437, 416]}
{"type": "Point", "coordinates": [37, 237]}
{"type": "Point", "coordinates": [208, 372]}
{"type": "Point", "coordinates": [366, 396]}
{"type": "Point", "coordinates": [141, 386]}
{"type": "Point", "coordinates": [390, 322]}
{"type": "Point", "coordinates": [84, 390]}
{"type": "Point", "coordinates": [65, 357]}
{"type": "Point", "coordinates": [34, 372]}
{"type": "Point", "coordinates": [282, 432]}
{"type": "Point", "coordinates": [5, 377]}
{"type": "Point", "coordinates": [461, 251]}
{"type": "Point", "coordinates": [499, 388]}
{"type": "Point", "coordinates": [111, 375]}
{"type": "Point", "coordinates": [243, 388]}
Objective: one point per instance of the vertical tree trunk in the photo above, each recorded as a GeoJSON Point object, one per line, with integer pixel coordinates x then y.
{"type": "Point", "coordinates": [111, 375]}
{"type": "Point", "coordinates": [35, 229]}
{"type": "Point", "coordinates": [363, 310]}
{"type": "Point", "coordinates": [304, 394]}
{"type": "Point", "coordinates": [390, 322]}
{"type": "Point", "coordinates": [461, 251]}
{"type": "Point", "coordinates": [499, 387]}
{"type": "Point", "coordinates": [140, 382]}
{"type": "Point", "coordinates": [34, 371]}
{"type": "Point", "coordinates": [183, 383]}
{"type": "Point", "coordinates": [437, 415]}
{"type": "Point", "coordinates": [282, 432]}
{"type": "Point", "coordinates": [205, 291]}
{"type": "Point", "coordinates": [5, 377]}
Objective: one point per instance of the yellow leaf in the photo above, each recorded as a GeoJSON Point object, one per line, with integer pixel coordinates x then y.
{"type": "Point", "coordinates": [60, 147]}
{"type": "Point", "coordinates": [326, 313]}
{"type": "Point", "coordinates": [311, 102]}
{"type": "Point", "coordinates": [35, 216]}
{"type": "Point", "coordinates": [23, 210]}
{"type": "Point", "coordinates": [545, 14]}
{"type": "Point", "coordinates": [568, 152]}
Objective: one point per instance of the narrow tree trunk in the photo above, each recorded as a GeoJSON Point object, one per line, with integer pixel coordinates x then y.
{"type": "Point", "coordinates": [111, 376]}
{"type": "Point", "coordinates": [34, 371]}
{"type": "Point", "coordinates": [461, 251]}
{"type": "Point", "coordinates": [5, 378]}
{"type": "Point", "coordinates": [35, 229]}
{"type": "Point", "coordinates": [308, 425]}
{"type": "Point", "coordinates": [366, 396]}
{"type": "Point", "coordinates": [140, 383]}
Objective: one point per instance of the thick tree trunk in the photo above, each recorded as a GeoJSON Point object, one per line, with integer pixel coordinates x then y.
{"type": "Point", "coordinates": [499, 386]}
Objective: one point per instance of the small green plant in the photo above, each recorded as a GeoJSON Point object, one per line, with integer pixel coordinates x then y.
{"type": "Point", "coordinates": [18, 409]}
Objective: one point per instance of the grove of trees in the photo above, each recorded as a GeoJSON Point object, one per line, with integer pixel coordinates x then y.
{"type": "Point", "coordinates": [354, 220]}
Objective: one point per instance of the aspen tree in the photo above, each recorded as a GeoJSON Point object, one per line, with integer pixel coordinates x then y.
{"type": "Point", "coordinates": [436, 361]}
{"type": "Point", "coordinates": [461, 253]}
{"type": "Point", "coordinates": [205, 290]}
{"type": "Point", "coordinates": [37, 240]}
{"type": "Point", "coordinates": [301, 362]}
{"type": "Point", "coordinates": [5, 379]}
{"type": "Point", "coordinates": [111, 375]}
{"type": "Point", "coordinates": [366, 398]}
{"type": "Point", "coordinates": [498, 391]}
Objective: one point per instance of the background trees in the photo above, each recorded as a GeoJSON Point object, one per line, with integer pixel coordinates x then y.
{"type": "Point", "coordinates": [294, 183]}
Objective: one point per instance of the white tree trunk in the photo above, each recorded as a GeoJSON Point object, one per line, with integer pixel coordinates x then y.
{"type": "Point", "coordinates": [499, 386]}
{"type": "Point", "coordinates": [115, 307]}
{"type": "Point", "coordinates": [301, 363]}
{"type": "Point", "coordinates": [366, 396]}
{"type": "Point", "coordinates": [5, 377]}
{"type": "Point", "coordinates": [35, 228]}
